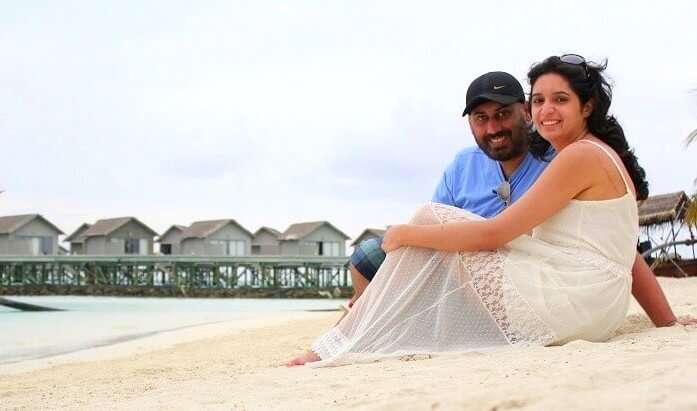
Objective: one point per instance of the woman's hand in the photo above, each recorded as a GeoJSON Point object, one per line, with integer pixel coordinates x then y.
{"type": "Point", "coordinates": [687, 321]}
{"type": "Point", "coordinates": [393, 238]}
{"type": "Point", "coordinates": [684, 320]}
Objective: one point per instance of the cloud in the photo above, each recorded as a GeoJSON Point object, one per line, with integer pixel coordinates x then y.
{"type": "Point", "coordinates": [272, 113]}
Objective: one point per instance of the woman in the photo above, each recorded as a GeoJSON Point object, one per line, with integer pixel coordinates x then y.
{"type": "Point", "coordinates": [440, 290]}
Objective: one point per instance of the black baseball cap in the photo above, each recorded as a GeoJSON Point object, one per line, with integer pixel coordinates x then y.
{"type": "Point", "coordinates": [493, 86]}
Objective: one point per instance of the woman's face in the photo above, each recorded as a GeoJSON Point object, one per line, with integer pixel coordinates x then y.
{"type": "Point", "coordinates": [557, 111]}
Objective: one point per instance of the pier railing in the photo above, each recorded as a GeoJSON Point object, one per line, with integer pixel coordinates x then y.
{"type": "Point", "coordinates": [273, 272]}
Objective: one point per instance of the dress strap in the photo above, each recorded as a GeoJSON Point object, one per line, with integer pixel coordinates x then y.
{"type": "Point", "coordinates": [617, 166]}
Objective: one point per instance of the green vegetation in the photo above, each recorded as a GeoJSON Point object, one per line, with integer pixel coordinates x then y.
{"type": "Point", "coordinates": [691, 216]}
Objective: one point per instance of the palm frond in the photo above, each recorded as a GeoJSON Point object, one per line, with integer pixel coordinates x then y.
{"type": "Point", "coordinates": [691, 138]}
{"type": "Point", "coordinates": [691, 214]}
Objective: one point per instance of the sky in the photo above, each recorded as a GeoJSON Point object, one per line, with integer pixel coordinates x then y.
{"type": "Point", "coordinates": [277, 112]}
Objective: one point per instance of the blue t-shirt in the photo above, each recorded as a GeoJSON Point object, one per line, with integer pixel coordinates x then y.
{"type": "Point", "coordinates": [470, 181]}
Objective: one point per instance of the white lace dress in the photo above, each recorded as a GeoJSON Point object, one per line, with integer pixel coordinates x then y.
{"type": "Point", "coordinates": [570, 280]}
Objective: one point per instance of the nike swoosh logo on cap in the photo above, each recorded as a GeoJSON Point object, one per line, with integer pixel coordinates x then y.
{"type": "Point", "coordinates": [498, 87]}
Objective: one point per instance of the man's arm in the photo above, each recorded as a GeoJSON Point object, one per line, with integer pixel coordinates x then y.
{"type": "Point", "coordinates": [443, 193]}
{"type": "Point", "coordinates": [649, 294]}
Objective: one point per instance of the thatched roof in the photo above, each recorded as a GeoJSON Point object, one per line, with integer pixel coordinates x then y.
{"type": "Point", "coordinates": [301, 230]}
{"type": "Point", "coordinates": [108, 225]}
{"type": "Point", "coordinates": [371, 232]}
{"type": "Point", "coordinates": [11, 223]}
{"type": "Point", "coordinates": [204, 229]}
{"type": "Point", "coordinates": [663, 208]}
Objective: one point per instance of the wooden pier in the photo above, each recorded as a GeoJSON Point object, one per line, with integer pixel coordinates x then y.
{"type": "Point", "coordinates": [175, 275]}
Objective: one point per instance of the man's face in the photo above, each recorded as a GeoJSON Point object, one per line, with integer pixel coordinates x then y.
{"type": "Point", "coordinates": [501, 131]}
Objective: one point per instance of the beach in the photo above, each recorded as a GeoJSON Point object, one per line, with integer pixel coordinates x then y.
{"type": "Point", "coordinates": [237, 366]}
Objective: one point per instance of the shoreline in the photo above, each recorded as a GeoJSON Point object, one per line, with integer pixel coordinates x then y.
{"type": "Point", "coordinates": [90, 322]}
{"type": "Point", "coordinates": [105, 343]}
{"type": "Point", "coordinates": [154, 341]}
{"type": "Point", "coordinates": [166, 291]}
{"type": "Point", "coordinates": [171, 332]}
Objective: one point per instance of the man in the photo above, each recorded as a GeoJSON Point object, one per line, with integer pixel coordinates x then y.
{"type": "Point", "coordinates": [487, 178]}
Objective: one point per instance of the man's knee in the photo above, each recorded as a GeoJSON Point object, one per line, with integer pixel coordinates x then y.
{"type": "Point", "coordinates": [367, 257]}
{"type": "Point", "coordinates": [359, 283]}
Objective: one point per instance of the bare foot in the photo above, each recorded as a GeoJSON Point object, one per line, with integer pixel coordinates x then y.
{"type": "Point", "coordinates": [303, 359]}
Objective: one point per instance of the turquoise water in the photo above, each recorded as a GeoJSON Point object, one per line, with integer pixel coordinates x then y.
{"type": "Point", "coordinates": [99, 321]}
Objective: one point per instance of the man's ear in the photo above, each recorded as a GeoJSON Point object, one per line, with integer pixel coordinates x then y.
{"type": "Point", "coordinates": [469, 123]}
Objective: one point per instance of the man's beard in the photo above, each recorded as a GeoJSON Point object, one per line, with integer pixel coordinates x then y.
{"type": "Point", "coordinates": [516, 147]}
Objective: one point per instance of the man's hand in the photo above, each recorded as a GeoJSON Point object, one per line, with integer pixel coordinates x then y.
{"type": "Point", "coordinates": [393, 238]}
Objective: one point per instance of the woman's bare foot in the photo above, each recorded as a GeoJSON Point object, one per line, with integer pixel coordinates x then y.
{"type": "Point", "coordinates": [303, 359]}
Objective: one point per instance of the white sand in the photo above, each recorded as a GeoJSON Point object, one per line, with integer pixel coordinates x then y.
{"type": "Point", "coordinates": [235, 366]}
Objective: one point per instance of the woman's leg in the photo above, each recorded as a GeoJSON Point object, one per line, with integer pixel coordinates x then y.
{"type": "Point", "coordinates": [415, 303]}
{"type": "Point", "coordinates": [359, 285]}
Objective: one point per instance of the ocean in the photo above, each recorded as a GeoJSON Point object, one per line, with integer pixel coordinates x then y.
{"type": "Point", "coordinates": [99, 321]}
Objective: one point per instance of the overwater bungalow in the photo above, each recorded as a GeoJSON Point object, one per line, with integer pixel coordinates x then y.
{"type": "Point", "coordinates": [76, 240]}
{"type": "Point", "coordinates": [117, 236]}
{"type": "Point", "coordinates": [314, 238]}
{"type": "Point", "coordinates": [170, 240]}
{"type": "Point", "coordinates": [28, 234]}
{"type": "Point", "coordinates": [216, 238]}
{"type": "Point", "coordinates": [266, 241]}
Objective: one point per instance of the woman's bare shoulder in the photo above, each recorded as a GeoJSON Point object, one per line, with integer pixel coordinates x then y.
{"type": "Point", "coordinates": [576, 156]}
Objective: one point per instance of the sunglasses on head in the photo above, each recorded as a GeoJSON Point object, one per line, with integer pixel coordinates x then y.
{"type": "Point", "coordinates": [575, 60]}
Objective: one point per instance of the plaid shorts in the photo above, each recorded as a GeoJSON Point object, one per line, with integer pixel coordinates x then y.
{"type": "Point", "coordinates": [367, 257]}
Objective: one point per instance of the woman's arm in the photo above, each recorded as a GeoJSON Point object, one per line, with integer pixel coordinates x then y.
{"type": "Point", "coordinates": [571, 172]}
{"type": "Point", "coordinates": [649, 294]}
